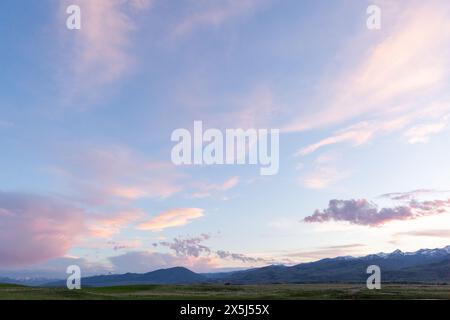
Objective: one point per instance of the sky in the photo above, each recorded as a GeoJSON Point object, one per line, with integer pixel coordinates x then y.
{"type": "Point", "coordinates": [86, 118]}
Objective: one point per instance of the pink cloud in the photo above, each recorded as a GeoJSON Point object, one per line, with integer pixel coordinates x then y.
{"type": "Point", "coordinates": [323, 174]}
{"type": "Point", "coordinates": [55, 268]}
{"type": "Point", "coordinates": [105, 226]}
{"type": "Point", "coordinates": [363, 132]}
{"type": "Point", "coordinates": [36, 228]}
{"type": "Point", "coordinates": [99, 52]}
{"type": "Point", "coordinates": [383, 81]}
{"type": "Point", "coordinates": [434, 233]}
{"type": "Point", "coordinates": [116, 175]}
{"type": "Point", "coordinates": [364, 212]}
{"type": "Point", "coordinates": [327, 252]}
{"type": "Point", "coordinates": [421, 133]}
{"type": "Point", "coordinates": [172, 218]}
{"type": "Point", "coordinates": [208, 189]}
{"type": "Point", "coordinates": [357, 134]}
{"type": "Point", "coordinates": [322, 177]}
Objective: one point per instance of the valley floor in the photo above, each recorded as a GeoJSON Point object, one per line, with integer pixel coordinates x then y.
{"type": "Point", "coordinates": [227, 292]}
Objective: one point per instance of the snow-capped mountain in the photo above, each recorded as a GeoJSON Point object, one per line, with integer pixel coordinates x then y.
{"type": "Point", "coordinates": [424, 252]}
{"type": "Point", "coordinates": [425, 265]}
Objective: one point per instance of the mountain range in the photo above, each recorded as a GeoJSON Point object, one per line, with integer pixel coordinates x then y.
{"type": "Point", "coordinates": [425, 265]}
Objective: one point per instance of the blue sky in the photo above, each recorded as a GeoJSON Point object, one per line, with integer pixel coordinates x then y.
{"type": "Point", "coordinates": [86, 118]}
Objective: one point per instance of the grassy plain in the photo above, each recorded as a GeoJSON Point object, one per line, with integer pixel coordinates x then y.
{"type": "Point", "coordinates": [226, 292]}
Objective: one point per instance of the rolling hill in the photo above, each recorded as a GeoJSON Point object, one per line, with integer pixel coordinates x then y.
{"type": "Point", "coordinates": [177, 275]}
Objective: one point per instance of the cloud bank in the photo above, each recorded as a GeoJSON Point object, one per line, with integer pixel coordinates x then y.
{"type": "Point", "coordinates": [35, 228]}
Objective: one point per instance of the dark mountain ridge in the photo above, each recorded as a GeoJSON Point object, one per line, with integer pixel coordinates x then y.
{"type": "Point", "coordinates": [425, 265]}
{"type": "Point", "coordinates": [395, 266]}
{"type": "Point", "coordinates": [176, 275]}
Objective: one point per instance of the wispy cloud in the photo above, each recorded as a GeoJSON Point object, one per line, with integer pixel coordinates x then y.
{"type": "Point", "coordinates": [172, 218]}
{"type": "Point", "coordinates": [214, 14]}
{"type": "Point", "coordinates": [383, 91]}
{"type": "Point", "coordinates": [105, 226]}
{"type": "Point", "coordinates": [410, 195]}
{"type": "Point", "coordinates": [421, 133]}
{"type": "Point", "coordinates": [363, 132]}
{"type": "Point", "coordinates": [433, 233]}
{"type": "Point", "coordinates": [99, 52]}
{"type": "Point", "coordinates": [322, 178]}
{"type": "Point", "coordinates": [208, 189]}
{"type": "Point", "coordinates": [323, 174]}
{"type": "Point", "coordinates": [384, 79]}
{"type": "Point", "coordinates": [356, 134]}
{"type": "Point", "coordinates": [116, 174]}
{"type": "Point", "coordinates": [327, 252]}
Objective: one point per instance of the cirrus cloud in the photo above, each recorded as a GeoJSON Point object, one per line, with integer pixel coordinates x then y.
{"type": "Point", "coordinates": [105, 226]}
{"type": "Point", "coordinates": [215, 13]}
{"type": "Point", "coordinates": [383, 81]}
{"type": "Point", "coordinates": [101, 48]}
{"type": "Point", "coordinates": [172, 218]}
{"type": "Point", "coordinates": [421, 133]}
{"type": "Point", "coordinates": [434, 233]}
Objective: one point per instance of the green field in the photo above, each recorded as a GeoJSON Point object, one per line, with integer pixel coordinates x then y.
{"type": "Point", "coordinates": [244, 292]}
